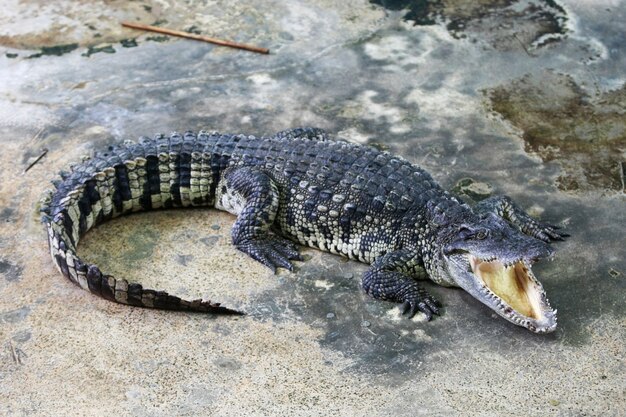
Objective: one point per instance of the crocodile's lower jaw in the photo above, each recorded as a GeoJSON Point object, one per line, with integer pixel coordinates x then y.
{"type": "Point", "coordinates": [515, 293]}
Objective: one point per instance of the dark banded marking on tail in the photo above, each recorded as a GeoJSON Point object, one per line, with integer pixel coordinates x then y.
{"type": "Point", "coordinates": [131, 177]}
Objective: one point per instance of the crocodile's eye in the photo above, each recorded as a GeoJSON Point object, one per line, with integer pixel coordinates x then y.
{"type": "Point", "coordinates": [481, 234]}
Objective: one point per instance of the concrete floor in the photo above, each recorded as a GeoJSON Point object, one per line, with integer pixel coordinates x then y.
{"type": "Point", "coordinates": [522, 98]}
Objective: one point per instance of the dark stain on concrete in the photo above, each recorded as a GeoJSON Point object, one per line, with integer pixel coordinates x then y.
{"type": "Point", "coordinates": [14, 316]}
{"type": "Point", "coordinates": [22, 336]}
{"type": "Point", "coordinates": [140, 245]}
{"type": "Point", "coordinates": [228, 363]}
{"type": "Point", "coordinates": [7, 214]}
{"type": "Point", "coordinates": [560, 122]}
{"type": "Point", "coordinates": [184, 259]}
{"type": "Point", "coordinates": [210, 240]}
{"type": "Point", "coordinates": [10, 271]}
{"type": "Point", "coordinates": [504, 24]}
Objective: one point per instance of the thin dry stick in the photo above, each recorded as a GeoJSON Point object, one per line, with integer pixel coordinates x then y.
{"type": "Point", "coordinates": [188, 35]}
{"type": "Point", "coordinates": [14, 354]}
{"type": "Point", "coordinates": [44, 151]}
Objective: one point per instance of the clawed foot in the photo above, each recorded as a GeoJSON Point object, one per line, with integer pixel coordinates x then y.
{"type": "Point", "coordinates": [272, 251]}
{"type": "Point", "coordinates": [538, 230]}
{"type": "Point", "coordinates": [545, 232]}
{"type": "Point", "coordinates": [504, 207]}
{"type": "Point", "coordinates": [420, 300]}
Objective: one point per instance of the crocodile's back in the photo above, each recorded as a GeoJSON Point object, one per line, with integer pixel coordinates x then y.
{"type": "Point", "coordinates": [341, 197]}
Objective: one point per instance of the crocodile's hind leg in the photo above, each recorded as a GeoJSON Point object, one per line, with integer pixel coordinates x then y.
{"type": "Point", "coordinates": [504, 207]}
{"type": "Point", "coordinates": [389, 279]}
{"type": "Point", "coordinates": [254, 198]}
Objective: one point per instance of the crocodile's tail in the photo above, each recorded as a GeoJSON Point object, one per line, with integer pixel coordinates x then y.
{"type": "Point", "coordinates": [160, 172]}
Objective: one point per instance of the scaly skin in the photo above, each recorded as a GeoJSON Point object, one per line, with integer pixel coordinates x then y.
{"type": "Point", "coordinates": [299, 185]}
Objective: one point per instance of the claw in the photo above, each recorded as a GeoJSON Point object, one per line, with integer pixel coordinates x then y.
{"type": "Point", "coordinates": [424, 309]}
{"type": "Point", "coordinates": [272, 251]}
{"type": "Point", "coordinates": [432, 306]}
{"type": "Point", "coordinates": [544, 237]}
{"type": "Point", "coordinates": [427, 306]}
{"type": "Point", "coordinates": [554, 235]}
{"type": "Point", "coordinates": [287, 251]}
{"type": "Point", "coordinates": [280, 260]}
{"type": "Point", "coordinates": [548, 232]}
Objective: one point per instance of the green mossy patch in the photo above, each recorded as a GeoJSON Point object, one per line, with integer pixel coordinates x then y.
{"type": "Point", "coordinates": [56, 50]}
{"type": "Point", "coordinates": [193, 29]}
{"type": "Point", "coordinates": [379, 146]}
{"type": "Point", "coordinates": [129, 43]}
{"type": "Point", "coordinates": [159, 22]}
{"type": "Point", "coordinates": [473, 189]}
{"type": "Point", "coordinates": [140, 246]}
{"type": "Point", "coordinates": [560, 122]}
{"type": "Point", "coordinates": [158, 38]}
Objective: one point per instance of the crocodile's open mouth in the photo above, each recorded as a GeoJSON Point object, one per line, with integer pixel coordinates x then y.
{"type": "Point", "coordinates": [513, 292]}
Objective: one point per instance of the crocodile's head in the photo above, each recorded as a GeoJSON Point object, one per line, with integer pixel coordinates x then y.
{"type": "Point", "coordinates": [492, 261]}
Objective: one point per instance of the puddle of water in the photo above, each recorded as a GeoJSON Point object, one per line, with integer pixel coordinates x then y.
{"type": "Point", "coordinates": [502, 24]}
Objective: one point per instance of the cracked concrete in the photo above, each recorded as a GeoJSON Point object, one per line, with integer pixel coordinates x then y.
{"type": "Point", "coordinates": [312, 343]}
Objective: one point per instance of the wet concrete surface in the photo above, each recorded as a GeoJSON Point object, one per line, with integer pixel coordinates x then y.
{"type": "Point", "coordinates": [560, 122]}
{"type": "Point", "coordinates": [491, 97]}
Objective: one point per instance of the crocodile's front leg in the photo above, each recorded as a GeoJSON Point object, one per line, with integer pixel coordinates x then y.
{"type": "Point", "coordinates": [253, 197]}
{"type": "Point", "coordinates": [506, 208]}
{"type": "Point", "coordinates": [388, 279]}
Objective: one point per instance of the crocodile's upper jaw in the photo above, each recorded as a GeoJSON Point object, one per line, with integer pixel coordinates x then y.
{"type": "Point", "coordinates": [511, 290]}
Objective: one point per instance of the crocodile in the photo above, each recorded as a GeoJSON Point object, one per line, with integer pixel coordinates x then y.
{"type": "Point", "coordinates": [302, 186]}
